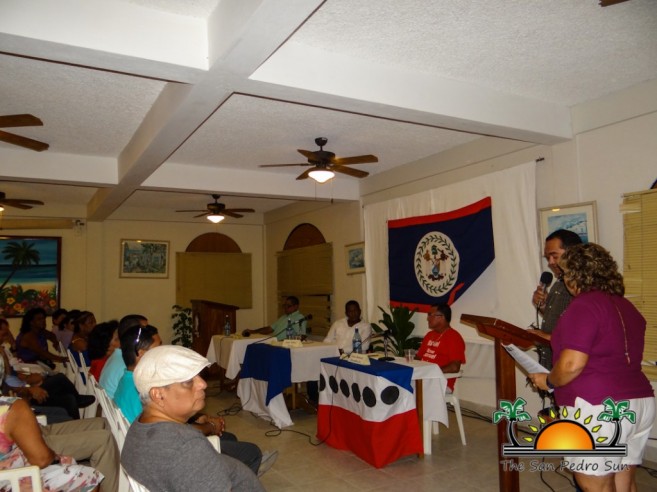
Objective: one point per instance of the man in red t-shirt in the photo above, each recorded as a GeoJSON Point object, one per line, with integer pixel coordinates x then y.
{"type": "Point", "coordinates": [443, 345]}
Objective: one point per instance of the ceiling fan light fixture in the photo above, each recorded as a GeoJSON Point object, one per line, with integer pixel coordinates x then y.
{"type": "Point", "coordinates": [321, 175]}
{"type": "Point", "coordinates": [215, 218]}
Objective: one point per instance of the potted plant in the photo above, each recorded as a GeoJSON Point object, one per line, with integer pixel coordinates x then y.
{"type": "Point", "coordinates": [182, 326]}
{"type": "Point", "coordinates": [399, 325]}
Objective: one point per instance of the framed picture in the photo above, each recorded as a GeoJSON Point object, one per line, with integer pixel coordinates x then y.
{"type": "Point", "coordinates": [30, 268]}
{"type": "Point", "coordinates": [141, 258]}
{"type": "Point", "coordinates": [578, 218]}
{"type": "Point", "coordinates": [355, 256]}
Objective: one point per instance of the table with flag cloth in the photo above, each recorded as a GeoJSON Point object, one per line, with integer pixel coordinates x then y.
{"type": "Point", "coordinates": [269, 368]}
{"type": "Point", "coordinates": [228, 352]}
{"type": "Point", "coordinates": [371, 410]}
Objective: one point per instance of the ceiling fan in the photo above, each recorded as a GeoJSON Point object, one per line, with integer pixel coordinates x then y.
{"type": "Point", "coordinates": [325, 164]}
{"type": "Point", "coordinates": [216, 212]}
{"type": "Point", "coordinates": [22, 203]}
{"type": "Point", "coordinates": [16, 120]}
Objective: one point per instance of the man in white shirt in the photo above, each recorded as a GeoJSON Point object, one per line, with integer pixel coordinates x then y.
{"type": "Point", "coordinates": [342, 331]}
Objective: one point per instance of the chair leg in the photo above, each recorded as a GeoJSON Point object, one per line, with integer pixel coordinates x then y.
{"type": "Point", "coordinates": [435, 427]}
{"type": "Point", "coordinates": [459, 419]}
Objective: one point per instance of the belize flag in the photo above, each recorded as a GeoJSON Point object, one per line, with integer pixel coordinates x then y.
{"type": "Point", "coordinates": [369, 410]}
{"type": "Point", "coordinates": [435, 258]}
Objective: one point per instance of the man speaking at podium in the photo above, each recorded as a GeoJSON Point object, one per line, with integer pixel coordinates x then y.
{"type": "Point", "coordinates": [278, 327]}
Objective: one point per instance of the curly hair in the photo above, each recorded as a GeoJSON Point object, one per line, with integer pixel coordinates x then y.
{"type": "Point", "coordinates": [590, 267]}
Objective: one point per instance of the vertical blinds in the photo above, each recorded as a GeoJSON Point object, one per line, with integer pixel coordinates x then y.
{"type": "Point", "coordinates": [640, 265]}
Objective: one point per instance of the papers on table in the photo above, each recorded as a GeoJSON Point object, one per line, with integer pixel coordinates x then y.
{"type": "Point", "coordinates": [525, 361]}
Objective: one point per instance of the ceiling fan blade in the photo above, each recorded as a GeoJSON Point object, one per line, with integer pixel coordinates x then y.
{"type": "Point", "coordinates": [356, 173]}
{"type": "Point", "coordinates": [304, 175]}
{"type": "Point", "coordinates": [357, 159]}
{"type": "Point", "coordinates": [240, 210]}
{"type": "Point", "coordinates": [308, 154]}
{"type": "Point", "coordinates": [9, 203]}
{"type": "Point", "coordinates": [283, 165]}
{"type": "Point", "coordinates": [201, 215]}
{"type": "Point", "coordinates": [13, 120]}
{"type": "Point", "coordinates": [191, 210]}
{"type": "Point", "coordinates": [231, 214]}
{"type": "Point", "coordinates": [23, 141]}
{"type": "Point", "coordinates": [21, 201]}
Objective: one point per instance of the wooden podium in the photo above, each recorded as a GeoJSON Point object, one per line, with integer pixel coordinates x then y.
{"type": "Point", "coordinates": [504, 333]}
{"type": "Point", "coordinates": [208, 319]}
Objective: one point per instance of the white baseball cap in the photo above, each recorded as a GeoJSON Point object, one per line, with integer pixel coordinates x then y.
{"type": "Point", "coordinates": [167, 364]}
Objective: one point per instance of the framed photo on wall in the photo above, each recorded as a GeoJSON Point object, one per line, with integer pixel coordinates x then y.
{"type": "Point", "coordinates": [355, 258]}
{"type": "Point", "coordinates": [30, 269]}
{"type": "Point", "coordinates": [142, 258]}
{"type": "Point", "coordinates": [578, 217]}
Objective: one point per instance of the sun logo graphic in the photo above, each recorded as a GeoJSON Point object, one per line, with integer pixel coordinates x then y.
{"type": "Point", "coordinates": [564, 437]}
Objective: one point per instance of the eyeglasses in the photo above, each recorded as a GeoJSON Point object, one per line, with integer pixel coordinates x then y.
{"type": "Point", "coordinates": [287, 305]}
{"type": "Point", "coordinates": [137, 340]}
{"type": "Point", "coordinates": [437, 315]}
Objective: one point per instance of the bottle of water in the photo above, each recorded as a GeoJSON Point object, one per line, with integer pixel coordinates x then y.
{"type": "Point", "coordinates": [357, 343]}
{"type": "Point", "coordinates": [289, 332]}
{"type": "Point", "coordinates": [227, 329]}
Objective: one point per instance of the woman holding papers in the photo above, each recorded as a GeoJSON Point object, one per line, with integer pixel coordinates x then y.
{"type": "Point", "coordinates": [598, 347]}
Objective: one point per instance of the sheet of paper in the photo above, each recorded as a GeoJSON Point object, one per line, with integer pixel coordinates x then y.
{"type": "Point", "coordinates": [525, 361]}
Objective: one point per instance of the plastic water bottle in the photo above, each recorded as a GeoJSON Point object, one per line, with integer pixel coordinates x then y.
{"type": "Point", "coordinates": [289, 332]}
{"type": "Point", "coordinates": [357, 343]}
{"type": "Point", "coordinates": [227, 329]}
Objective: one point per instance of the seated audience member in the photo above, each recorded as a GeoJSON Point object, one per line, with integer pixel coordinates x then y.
{"type": "Point", "coordinates": [114, 367]}
{"type": "Point", "coordinates": [84, 323]}
{"type": "Point", "coordinates": [135, 343]}
{"type": "Point", "coordinates": [65, 332]}
{"type": "Point", "coordinates": [32, 341]}
{"type": "Point", "coordinates": [161, 451]}
{"type": "Point", "coordinates": [342, 330]}
{"type": "Point", "coordinates": [443, 345]}
{"type": "Point", "coordinates": [279, 327]}
{"type": "Point", "coordinates": [103, 340]}
{"type": "Point", "coordinates": [7, 339]}
{"type": "Point", "coordinates": [57, 317]}
{"type": "Point", "coordinates": [21, 444]}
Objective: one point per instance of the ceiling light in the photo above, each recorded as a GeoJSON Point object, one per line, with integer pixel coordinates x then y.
{"type": "Point", "coordinates": [215, 218]}
{"type": "Point", "coordinates": [2, 209]}
{"type": "Point", "coordinates": [321, 175]}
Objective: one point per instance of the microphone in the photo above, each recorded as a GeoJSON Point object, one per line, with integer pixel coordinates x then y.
{"type": "Point", "coordinates": [544, 282]}
{"type": "Point", "coordinates": [307, 317]}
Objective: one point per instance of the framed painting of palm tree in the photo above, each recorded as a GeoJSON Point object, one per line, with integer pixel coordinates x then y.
{"type": "Point", "coordinates": [30, 269]}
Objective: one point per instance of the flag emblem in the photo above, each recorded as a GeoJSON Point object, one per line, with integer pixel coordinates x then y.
{"type": "Point", "coordinates": [436, 264]}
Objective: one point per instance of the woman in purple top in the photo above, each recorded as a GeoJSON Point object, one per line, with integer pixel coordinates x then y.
{"type": "Point", "coordinates": [597, 351]}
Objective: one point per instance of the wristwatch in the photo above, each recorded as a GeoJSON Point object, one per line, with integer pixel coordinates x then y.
{"type": "Point", "coordinates": [548, 383]}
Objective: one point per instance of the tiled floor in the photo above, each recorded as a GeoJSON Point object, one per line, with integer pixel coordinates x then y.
{"type": "Point", "coordinates": [301, 466]}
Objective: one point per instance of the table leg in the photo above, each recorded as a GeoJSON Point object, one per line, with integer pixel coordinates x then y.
{"type": "Point", "coordinates": [419, 406]}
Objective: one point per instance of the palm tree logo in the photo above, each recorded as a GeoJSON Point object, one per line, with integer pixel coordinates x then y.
{"type": "Point", "coordinates": [21, 255]}
{"type": "Point", "coordinates": [564, 437]}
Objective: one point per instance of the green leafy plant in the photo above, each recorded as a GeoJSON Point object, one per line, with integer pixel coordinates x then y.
{"type": "Point", "coordinates": [398, 323]}
{"type": "Point", "coordinates": [182, 326]}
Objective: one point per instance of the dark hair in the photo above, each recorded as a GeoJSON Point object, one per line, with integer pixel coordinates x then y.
{"type": "Point", "coordinates": [59, 312]}
{"type": "Point", "coordinates": [294, 300]}
{"type": "Point", "coordinates": [26, 324]}
{"type": "Point", "coordinates": [130, 320]}
{"type": "Point", "coordinates": [590, 267]}
{"type": "Point", "coordinates": [4, 321]}
{"type": "Point", "coordinates": [100, 338]}
{"type": "Point", "coordinates": [134, 339]}
{"type": "Point", "coordinates": [567, 238]}
{"type": "Point", "coordinates": [445, 310]}
{"type": "Point", "coordinates": [70, 316]}
{"type": "Point", "coordinates": [81, 318]}
{"type": "Point", "coordinates": [351, 303]}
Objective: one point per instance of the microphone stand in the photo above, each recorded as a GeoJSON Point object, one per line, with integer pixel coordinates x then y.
{"type": "Point", "coordinates": [386, 335]}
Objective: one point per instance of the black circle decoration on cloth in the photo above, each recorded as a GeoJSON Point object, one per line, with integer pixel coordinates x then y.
{"type": "Point", "coordinates": [333, 383]}
{"type": "Point", "coordinates": [322, 382]}
{"type": "Point", "coordinates": [355, 390]}
{"type": "Point", "coordinates": [369, 397]}
{"type": "Point", "coordinates": [344, 387]}
{"type": "Point", "coordinates": [390, 395]}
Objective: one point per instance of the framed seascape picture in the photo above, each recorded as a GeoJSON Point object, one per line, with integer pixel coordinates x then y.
{"type": "Point", "coordinates": [355, 257]}
{"type": "Point", "coordinates": [30, 268]}
{"type": "Point", "coordinates": [579, 218]}
{"type": "Point", "coordinates": [142, 258]}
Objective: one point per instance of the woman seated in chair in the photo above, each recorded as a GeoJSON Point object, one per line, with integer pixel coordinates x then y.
{"type": "Point", "coordinates": [103, 340]}
{"type": "Point", "coordinates": [32, 341]}
{"type": "Point", "coordinates": [79, 345]}
{"type": "Point", "coordinates": [21, 444]}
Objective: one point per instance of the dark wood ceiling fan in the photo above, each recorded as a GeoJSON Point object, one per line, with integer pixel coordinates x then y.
{"type": "Point", "coordinates": [216, 208]}
{"type": "Point", "coordinates": [324, 160]}
{"type": "Point", "coordinates": [17, 120]}
{"type": "Point", "coordinates": [22, 203]}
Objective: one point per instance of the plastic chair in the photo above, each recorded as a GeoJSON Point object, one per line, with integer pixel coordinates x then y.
{"type": "Point", "coordinates": [83, 383]}
{"type": "Point", "coordinates": [14, 475]}
{"type": "Point", "coordinates": [453, 399]}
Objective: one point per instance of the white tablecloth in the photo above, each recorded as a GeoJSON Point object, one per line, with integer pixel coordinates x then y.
{"type": "Point", "coordinates": [228, 352]}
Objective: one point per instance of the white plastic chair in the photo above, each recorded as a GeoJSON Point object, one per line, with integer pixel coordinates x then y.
{"type": "Point", "coordinates": [83, 384]}
{"type": "Point", "coordinates": [14, 475]}
{"type": "Point", "coordinates": [453, 399]}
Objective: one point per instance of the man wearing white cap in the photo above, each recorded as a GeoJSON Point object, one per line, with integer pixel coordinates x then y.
{"type": "Point", "coordinates": [161, 451]}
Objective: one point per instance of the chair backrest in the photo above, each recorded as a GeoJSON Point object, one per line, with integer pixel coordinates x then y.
{"type": "Point", "coordinates": [14, 475]}
{"type": "Point", "coordinates": [454, 375]}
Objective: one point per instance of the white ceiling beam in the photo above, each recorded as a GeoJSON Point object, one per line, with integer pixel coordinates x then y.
{"type": "Point", "coordinates": [341, 82]}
